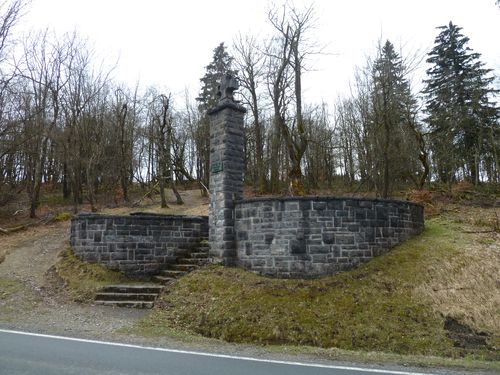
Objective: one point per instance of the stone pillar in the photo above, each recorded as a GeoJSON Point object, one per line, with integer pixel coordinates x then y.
{"type": "Point", "coordinates": [226, 171]}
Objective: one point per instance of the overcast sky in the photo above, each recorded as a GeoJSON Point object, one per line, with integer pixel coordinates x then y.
{"type": "Point", "coordinates": [168, 43]}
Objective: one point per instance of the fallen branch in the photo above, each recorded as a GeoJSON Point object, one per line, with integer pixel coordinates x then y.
{"type": "Point", "coordinates": [44, 221]}
{"type": "Point", "coordinates": [148, 194]}
{"type": "Point", "coordinates": [203, 185]}
{"type": "Point", "coordinates": [15, 229]}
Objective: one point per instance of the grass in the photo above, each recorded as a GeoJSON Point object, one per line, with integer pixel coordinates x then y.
{"type": "Point", "coordinates": [386, 305]}
{"type": "Point", "coordinates": [84, 279]}
{"type": "Point", "coordinates": [63, 216]}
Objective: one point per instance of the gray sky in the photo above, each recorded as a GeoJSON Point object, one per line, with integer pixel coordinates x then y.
{"type": "Point", "coordinates": [168, 43]}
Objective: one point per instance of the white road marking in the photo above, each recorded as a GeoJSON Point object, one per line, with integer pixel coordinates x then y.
{"type": "Point", "coordinates": [215, 355]}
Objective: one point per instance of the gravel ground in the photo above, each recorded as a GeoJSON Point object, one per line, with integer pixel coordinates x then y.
{"type": "Point", "coordinates": [39, 302]}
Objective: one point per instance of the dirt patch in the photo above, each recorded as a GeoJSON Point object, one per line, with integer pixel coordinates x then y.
{"type": "Point", "coordinates": [194, 204]}
{"type": "Point", "coordinates": [465, 337]}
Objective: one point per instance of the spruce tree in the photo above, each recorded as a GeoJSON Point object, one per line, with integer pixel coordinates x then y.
{"type": "Point", "coordinates": [220, 65]}
{"type": "Point", "coordinates": [461, 114]}
{"type": "Point", "coordinates": [393, 107]}
{"type": "Point", "coordinates": [207, 99]}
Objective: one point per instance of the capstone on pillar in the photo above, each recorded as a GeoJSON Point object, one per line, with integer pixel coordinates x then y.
{"type": "Point", "coordinates": [226, 170]}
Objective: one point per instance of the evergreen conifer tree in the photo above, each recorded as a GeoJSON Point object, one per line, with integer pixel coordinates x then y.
{"type": "Point", "coordinates": [220, 65]}
{"type": "Point", "coordinates": [207, 99]}
{"type": "Point", "coordinates": [393, 107]}
{"type": "Point", "coordinates": [461, 114]}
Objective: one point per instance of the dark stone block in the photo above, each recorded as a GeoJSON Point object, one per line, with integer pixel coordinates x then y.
{"type": "Point", "coordinates": [335, 205]}
{"type": "Point", "coordinates": [341, 213]}
{"type": "Point", "coordinates": [328, 238]}
{"type": "Point", "coordinates": [351, 203]}
{"type": "Point", "coordinates": [297, 247]}
{"type": "Point", "coordinates": [365, 204]}
{"type": "Point", "coordinates": [145, 245]}
{"type": "Point", "coordinates": [344, 239]}
{"type": "Point", "coordinates": [353, 227]}
{"type": "Point", "coordinates": [319, 206]}
{"type": "Point", "coordinates": [360, 214]}
{"type": "Point", "coordinates": [319, 249]}
{"type": "Point", "coordinates": [304, 205]}
{"type": "Point", "coordinates": [394, 222]}
{"type": "Point", "coordinates": [268, 238]}
{"type": "Point", "coordinates": [382, 213]}
{"type": "Point", "coordinates": [387, 232]}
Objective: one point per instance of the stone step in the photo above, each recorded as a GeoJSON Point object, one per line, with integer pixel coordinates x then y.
{"type": "Point", "coordinates": [103, 296]}
{"type": "Point", "coordinates": [203, 249]}
{"type": "Point", "coordinates": [134, 304]}
{"type": "Point", "coordinates": [132, 288]}
{"type": "Point", "coordinates": [183, 267]}
{"type": "Point", "coordinates": [173, 273]}
{"type": "Point", "coordinates": [195, 261]}
{"type": "Point", "coordinates": [199, 255]}
{"type": "Point", "coordinates": [164, 279]}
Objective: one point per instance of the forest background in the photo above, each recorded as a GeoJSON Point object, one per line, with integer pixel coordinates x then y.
{"type": "Point", "coordinates": [68, 130]}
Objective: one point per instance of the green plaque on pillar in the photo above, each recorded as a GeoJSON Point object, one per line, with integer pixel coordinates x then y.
{"type": "Point", "coordinates": [217, 167]}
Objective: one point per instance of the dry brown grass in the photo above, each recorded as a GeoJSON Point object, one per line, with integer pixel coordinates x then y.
{"type": "Point", "coordinates": [466, 287]}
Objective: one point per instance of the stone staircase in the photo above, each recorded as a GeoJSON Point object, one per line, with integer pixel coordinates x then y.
{"type": "Point", "coordinates": [144, 295]}
{"type": "Point", "coordinates": [187, 261]}
{"type": "Point", "coordinates": [129, 295]}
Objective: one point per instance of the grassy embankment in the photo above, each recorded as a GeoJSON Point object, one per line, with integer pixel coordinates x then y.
{"type": "Point", "coordinates": [82, 279]}
{"type": "Point", "coordinates": [435, 295]}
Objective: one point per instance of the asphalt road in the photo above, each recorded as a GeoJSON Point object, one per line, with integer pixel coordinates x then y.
{"type": "Point", "coordinates": [27, 353]}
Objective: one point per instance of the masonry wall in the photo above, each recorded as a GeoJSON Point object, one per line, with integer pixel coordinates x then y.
{"type": "Point", "coordinates": [138, 245]}
{"type": "Point", "coordinates": [308, 237]}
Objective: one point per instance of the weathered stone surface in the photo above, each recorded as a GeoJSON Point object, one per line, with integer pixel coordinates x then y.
{"type": "Point", "coordinates": [315, 236]}
{"type": "Point", "coordinates": [226, 177]}
{"type": "Point", "coordinates": [138, 245]}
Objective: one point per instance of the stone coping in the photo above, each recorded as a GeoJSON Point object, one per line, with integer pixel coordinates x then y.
{"type": "Point", "coordinates": [139, 215]}
{"type": "Point", "coordinates": [323, 198]}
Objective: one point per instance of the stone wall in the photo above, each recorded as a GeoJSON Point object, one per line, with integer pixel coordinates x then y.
{"type": "Point", "coordinates": [138, 245]}
{"type": "Point", "coordinates": [308, 237]}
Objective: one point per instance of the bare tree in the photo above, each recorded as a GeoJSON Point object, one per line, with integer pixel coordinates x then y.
{"type": "Point", "coordinates": [250, 64]}
{"type": "Point", "coordinates": [83, 87]}
{"type": "Point", "coordinates": [287, 62]}
{"type": "Point", "coordinates": [41, 68]}
{"type": "Point", "coordinates": [10, 136]}
{"type": "Point", "coordinates": [10, 12]}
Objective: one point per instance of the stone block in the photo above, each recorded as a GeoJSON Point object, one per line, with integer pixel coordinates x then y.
{"type": "Point", "coordinates": [319, 206]}
{"type": "Point", "coordinates": [318, 249]}
{"type": "Point", "coordinates": [328, 238]}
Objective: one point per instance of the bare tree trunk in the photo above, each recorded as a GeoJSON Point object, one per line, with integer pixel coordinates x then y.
{"type": "Point", "coordinates": [163, 198]}
{"type": "Point", "coordinates": [122, 116]}
{"type": "Point", "coordinates": [37, 179]}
